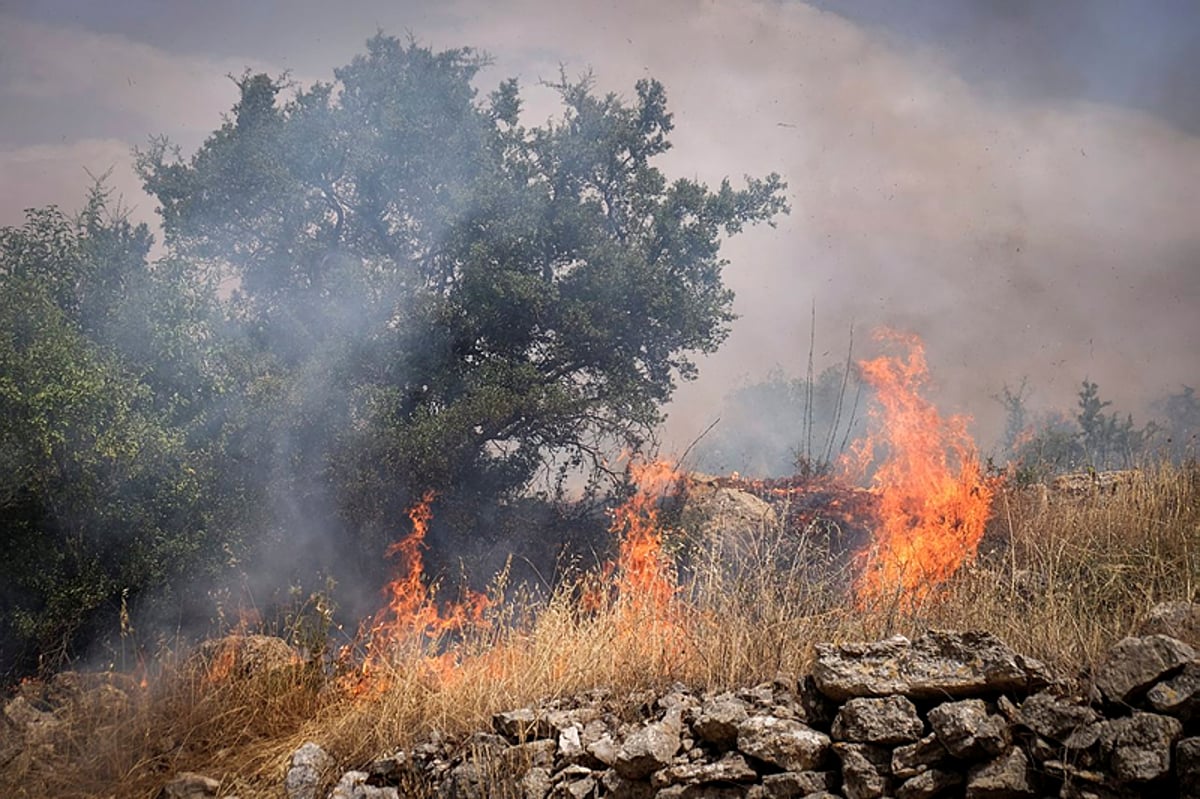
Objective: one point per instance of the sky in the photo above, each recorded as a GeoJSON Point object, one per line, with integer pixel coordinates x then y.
{"type": "Point", "coordinates": [1015, 181]}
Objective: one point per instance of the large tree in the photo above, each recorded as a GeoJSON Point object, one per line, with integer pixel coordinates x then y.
{"type": "Point", "coordinates": [440, 297]}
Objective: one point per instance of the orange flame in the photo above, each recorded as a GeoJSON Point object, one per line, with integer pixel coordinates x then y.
{"type": "Point", "coordinates": [933, 499]}
{"type": "Point", "coordinates": [645, 576]}
{"type": "Point", "coordinates": [411, 615]}
{"type": "Point", "coordinates": [647, 614]}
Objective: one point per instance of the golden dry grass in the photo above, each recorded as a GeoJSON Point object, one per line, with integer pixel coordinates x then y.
{"type": "Point", "coordinates": [1059, 578]}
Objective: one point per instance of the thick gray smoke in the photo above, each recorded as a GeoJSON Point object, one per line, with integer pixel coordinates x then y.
{"type": "Point", "coordinates": [1014, 182]}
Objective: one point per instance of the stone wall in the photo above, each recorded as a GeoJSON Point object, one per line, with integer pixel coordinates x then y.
{"type": "Point", "coordinates": [948, 714]}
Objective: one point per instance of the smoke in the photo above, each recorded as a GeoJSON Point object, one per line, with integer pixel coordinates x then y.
{"type": "Point", "coordinates": [1012, 181]}
{"type": "Point", "coordinates": [1016, 183]}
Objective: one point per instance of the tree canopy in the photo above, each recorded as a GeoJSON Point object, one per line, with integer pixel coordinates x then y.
{"type": "Point", "coordinates": [372, 287]}
{"type": "Point", "coordinates": [469, 294]}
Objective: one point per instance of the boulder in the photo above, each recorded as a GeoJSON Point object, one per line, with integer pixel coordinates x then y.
{"type": "Point", "coordinates": [1139, 747]}
{"type": "Point", "coordinates": [792, 784]}
{"type": "Point", "coordinates": [1187, 767]}
{"type": "Point", "coordinates": [718, 719]}
{"type": "Point", "coordinates": [647, 750]}
{"type": "Point", "coordinates": [929, 783]}
{"type": "Point", "coordinates": [730, 768]}
{"type": "Point", "coordinates": [522, 724]}
{"type": "Point", "coordinates": [308, 767]}
{"type": "Point", "coordinates": [354, 785]}
{"type": "Point", "coordinates": [878, 720]}
{"type": "Point", "coordinates": [937, 664]}
{"type": "Point", "coordinates": [726, 520]}
{"type": "Point", "coordinates": [618, 787]}
{"type": "Point", "coordinates": [1135, 664]}
{"type": "Point", "coordinates": [1178, 696]}
{"type": "Point", "coordinates": [866, 770]}
{"type": "Point", "coordinates": [910, 760]}
{"type": "Point", "coordinates": [1006, 777]}
{"type": "Point", "coordinates": [786, 743]}
{"type": "Point", "coordinates": [968, 730]}
{"type": "Point", "coordinates": [241, 656]}
{"type": "Point", "coordinates": [1054, 717]}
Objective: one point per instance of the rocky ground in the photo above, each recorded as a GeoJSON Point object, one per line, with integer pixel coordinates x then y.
{"type": "Point", "coordinates": [949, 714]}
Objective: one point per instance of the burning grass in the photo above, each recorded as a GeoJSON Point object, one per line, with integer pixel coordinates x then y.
{"type": "Point", "coordinates": [1060, 577]}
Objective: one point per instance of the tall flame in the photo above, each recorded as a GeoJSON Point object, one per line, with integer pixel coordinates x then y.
{"type": "Point", "coordinates": [645, 576]}
{"type": "Point", "coordinates": [411, 615]}
{"type": "Point", "coordinates": [933, 498]}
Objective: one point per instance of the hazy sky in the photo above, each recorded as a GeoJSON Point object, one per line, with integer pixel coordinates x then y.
{"type": "Point", "coordinates": [1016, 181]}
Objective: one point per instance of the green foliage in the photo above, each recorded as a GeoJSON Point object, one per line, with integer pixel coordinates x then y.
{"type": "Point", "coordinates": [1181, 424]}
{"type": "Point", "coordinates": [442, 297]}
{"type": "Point", "coordinates": [100, 494]}
{"type": "Point", "coordinates": [420, 293]}
{"type": "Point", "coordinates": [1055, 443]}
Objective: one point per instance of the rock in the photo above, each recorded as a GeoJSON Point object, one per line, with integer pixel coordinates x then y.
{"type": "Point", "coordinates": [521, 725]}
{"type": "Point", "coordinates": [789, 744]}
{"type": "Point", "coordinates": [618, 787]}
{"type": "Point", "coordinates": [570, 748]}
{"type": "Point", "coordinates": [1138, 747]}
{"type": "Point", "coordinates": [604, 750]}
{"type": "Point", "coordinates": [1177, 619]}
{"type": "Point", "coordinates": [730, 768]}
{"type": "Point", "coordinates": [582, 788]}
{"type": "Point", "coordinates": [866, 770]}
{"type": "Point", "coordinates": [937, 664]}
{"type": "Point", "coordinates": [647, 750]}
{"type": "Point", "coordinates": [353, 785]}
{"type": "Point", "coordinates": [968, 731]}
{"type": "Point", "coordinates": [909, 761]}
{"type": "Point", "coordinates": [727, 522]}
{"type": "Point", "coordinates": [309, 764]}
{"type": "Point", "coordinates": [701, 792]}
{"type": "Point", "coordinates": [928, 784]}
{"type": "Point", "coordinates": [242, 656]}
{"type": "Point", "coordinates": [1135, 664]}
{"type": "Point", "coordinates": [718, 719]}
{"type": "Point", "coordinates": [792, 784]}
{"type": "Point", "coordinates": [467, 780]}
{"type": "Point", "coordinates": [1006, 777]}
{"type": "Point", "coordinates": [1053, 717]}
{"type": "Point", "coordinates": [535, 783]}
{"type": "Point", "coordinates": [189, 785]}
{"type": "Point", "coordinates": [31, 724]}
{"type": "Point", "coordinates": [534, 754]}
{"type": "Point", "coordinates": [882, 720]}
{"type": "Point", "coordinates": [1187, 767]}
{"type": "Point", "coordinates": [1178, 696]}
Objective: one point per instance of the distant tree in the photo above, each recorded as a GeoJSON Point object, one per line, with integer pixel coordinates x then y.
{"type": "Point", "coordinates": [1108, 441]}
{"type": "Point", "coordinates": [1181, 424]}
{"type": "Point", "coordinates": [761, 432]}
{"type": "Point", "coordinates": [1057, 443]}
{"type": "Point", "coordinates": [439, 297]}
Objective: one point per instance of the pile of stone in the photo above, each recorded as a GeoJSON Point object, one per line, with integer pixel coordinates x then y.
{"type": "Point", "coordinates": [948, 714]}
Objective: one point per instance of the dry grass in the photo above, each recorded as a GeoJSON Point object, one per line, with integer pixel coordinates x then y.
{"type": "Point", "coordinates": [1060, 578]}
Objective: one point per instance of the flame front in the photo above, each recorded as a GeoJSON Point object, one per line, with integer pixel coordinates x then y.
{"type": "Point", "coordinates": [933, 499]}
